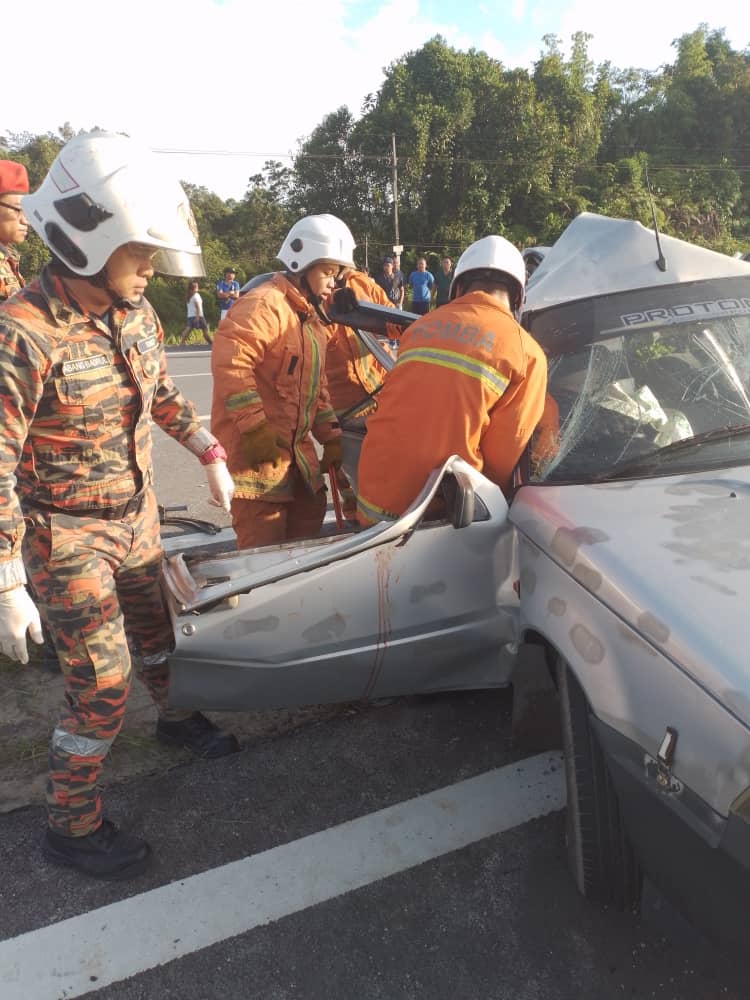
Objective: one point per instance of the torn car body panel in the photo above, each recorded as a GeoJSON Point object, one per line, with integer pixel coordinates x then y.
{"type": "Point", "coordinates": [378, 612]}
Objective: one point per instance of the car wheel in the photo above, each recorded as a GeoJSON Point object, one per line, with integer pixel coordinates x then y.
{"type": "Point", "coordinates": [600, 855]}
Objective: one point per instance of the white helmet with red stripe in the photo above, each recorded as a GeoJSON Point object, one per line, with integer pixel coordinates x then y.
{"type": "Point", "coordinates": [104, 190]}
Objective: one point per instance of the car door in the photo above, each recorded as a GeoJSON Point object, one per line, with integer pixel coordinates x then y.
{"type": "Point", "coordinates": [409, 606]}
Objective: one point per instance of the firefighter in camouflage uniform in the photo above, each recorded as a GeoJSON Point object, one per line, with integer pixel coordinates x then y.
{"type": "Point", "coordinates": [14, 182]}
{"type": "Point", "coordinates": [82, 376]}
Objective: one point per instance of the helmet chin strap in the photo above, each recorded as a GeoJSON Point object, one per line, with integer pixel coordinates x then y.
{"type": "Point", "coordinates": [100, 280]}
{"type": "Point", "coordinates": [314, 300]}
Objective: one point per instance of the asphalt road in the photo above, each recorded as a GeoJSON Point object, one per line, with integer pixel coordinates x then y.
{"type": "Point", "coordinates": [401, 851]}
{"type": "Point", "coordinates": [324, 865]}
{"type": "Point", "coordinates": [179, 477]}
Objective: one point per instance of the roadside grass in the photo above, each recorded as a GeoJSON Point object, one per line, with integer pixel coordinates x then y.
{"type": "Point", "coordinates": [24, 751]}
{"type": "Point", "coordinates": [195, 337]}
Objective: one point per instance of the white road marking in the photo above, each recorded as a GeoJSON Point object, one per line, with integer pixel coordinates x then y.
{"type": "Point", "coordinates": [121, 940]}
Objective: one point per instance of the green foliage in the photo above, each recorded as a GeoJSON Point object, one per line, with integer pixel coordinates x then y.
{"type": "Point", "coordinates": [485, 148]}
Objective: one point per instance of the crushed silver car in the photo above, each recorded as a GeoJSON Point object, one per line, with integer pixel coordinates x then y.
{"type": "Point", "coordinates": [624, 553]}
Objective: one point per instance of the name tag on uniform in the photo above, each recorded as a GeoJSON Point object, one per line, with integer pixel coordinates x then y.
{"type": "Point", "coordinates": [147, 344]}
{"type": "Point", "coordinates": [85, 364]}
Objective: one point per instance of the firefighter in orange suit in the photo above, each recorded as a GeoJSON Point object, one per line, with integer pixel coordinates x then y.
{"type": "Point", "coordinates": [351, 370]}
{"type": "Point", "coordinates": [468, 381]}
{"type": "Point", "coordinates": [353, 373]}
{"type": "Point", "coordinates": [14, 182]}
{"type": "Point", "coordinates": [270, 395]}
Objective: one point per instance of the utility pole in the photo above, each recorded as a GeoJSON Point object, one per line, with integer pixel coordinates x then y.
{"type": "Point", "coordinates": [397, 248]}
{"type": "Point", "coordinates": [367, 262]}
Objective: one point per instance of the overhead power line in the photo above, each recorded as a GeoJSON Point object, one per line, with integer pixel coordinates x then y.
{"type": "Point", "coordinates": [386, 161]}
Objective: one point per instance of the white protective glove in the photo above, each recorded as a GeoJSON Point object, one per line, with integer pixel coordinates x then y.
{"type": "Point", "coordinates": [17, 614]}
{"type": "Point", "coordinates": [220, 485]}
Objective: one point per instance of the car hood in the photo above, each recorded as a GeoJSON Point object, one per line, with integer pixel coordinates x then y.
{"type": "Point", "coordinates": [604, 256]}
{"type": "Point", "coordinates": [669, 556]}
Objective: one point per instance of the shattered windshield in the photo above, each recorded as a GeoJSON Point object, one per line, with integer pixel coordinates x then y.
{"type": "Point", "coordinates": [638, 392]}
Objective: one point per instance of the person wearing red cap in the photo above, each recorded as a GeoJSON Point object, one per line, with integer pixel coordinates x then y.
{"type": "Point", "coordinates": [14, 182]}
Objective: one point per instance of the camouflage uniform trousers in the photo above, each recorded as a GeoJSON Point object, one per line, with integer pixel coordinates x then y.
{"type": "Point", "coordinates": [97, 580]}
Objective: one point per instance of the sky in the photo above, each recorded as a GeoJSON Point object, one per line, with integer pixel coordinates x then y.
{"type": "Point", "coordinates": [221, 86]}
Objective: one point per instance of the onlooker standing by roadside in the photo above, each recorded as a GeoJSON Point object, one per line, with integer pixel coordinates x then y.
{"type": "Point", "coordinates": [391, 283]}
{"type": "Point", "coordinates": [227, 291]}
{"type": "Point", "coordinates": [397, 268]}
{"type": "Point", "coordinates": [195, 318]}
{"type": "Point", "coordinates": [14, 182]}
{"type": "Point", "coordinates": [421, 282]}
{"type": "Point", "coordinates": [443, 280]}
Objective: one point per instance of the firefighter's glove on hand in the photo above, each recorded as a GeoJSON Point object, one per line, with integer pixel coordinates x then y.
{"type": "Point", "coordinates": [331, 455]}
{"type": "Point", "coordinates": [259, 446]}
{"type": "Point", "coordinates": [344, 301]}
{"type": "Point", "coordinates": [17, 614]}
{"type": "Point", "coordinates": [220, 485]}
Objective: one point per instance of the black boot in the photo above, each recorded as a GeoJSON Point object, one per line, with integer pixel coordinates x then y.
{"type": "Point", "coordinates": [197, 734]}
{"type": "Point", "coordinates": [105, 853]}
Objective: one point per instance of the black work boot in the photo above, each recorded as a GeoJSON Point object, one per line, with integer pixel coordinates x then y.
{"type": "Point", "coordinates": [105, 853]}
{"type": "Point", "coordinates": [197, 734]}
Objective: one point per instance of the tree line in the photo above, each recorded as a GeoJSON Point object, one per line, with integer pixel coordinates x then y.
{"type": "Point", "coordinates": [482, 148]}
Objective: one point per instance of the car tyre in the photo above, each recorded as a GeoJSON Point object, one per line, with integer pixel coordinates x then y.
{"type": "Point", "coordinates": [600, 855]}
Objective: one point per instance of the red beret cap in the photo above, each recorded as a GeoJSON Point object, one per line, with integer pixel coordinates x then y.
{"type": "Point", "coordinates": [13, 178]}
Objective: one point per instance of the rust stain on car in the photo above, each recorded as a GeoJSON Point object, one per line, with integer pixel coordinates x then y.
{"type": "Point", "coordinates": [418, 594]}
{"type": "Point", "coordinates": [567, 541]}
{"type": "Point", "coordinates": [651, 626]}
{"type": "Point", "coordinates": [556, 606]}
{"type": "Point", "coordinates": [635, 640]}
{"type": "Point", "coordinates": [383, 560]}
{"type": "Point", "coordinates": [720, 588]}
{"type": "Point", "coordinates": [590, 648]}
{"type": "Point", "coordinates": [590, 578]}
{"type": "Point", "coordinates": [248, 626]}
{"type": "Point", "coordinates": [330, 628]}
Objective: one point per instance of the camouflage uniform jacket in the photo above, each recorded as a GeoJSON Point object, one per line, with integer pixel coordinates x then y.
{"type": "Point", "coordinates": [10, 276]}
{"type": "Point", "coordinates": [78, 395]}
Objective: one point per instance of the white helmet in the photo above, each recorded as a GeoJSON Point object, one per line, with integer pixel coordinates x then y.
{"type": "Point", "coordinates": [104, 190]}
{"type": "Point", "coordinates": [493, 253]}
{"type": "Point", "coordinates": [315, 239]}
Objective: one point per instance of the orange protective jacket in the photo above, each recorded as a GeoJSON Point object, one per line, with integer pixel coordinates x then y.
{"type": "Point", "coordinates": [468, 381]}
{"type": "Point", "coordinates": [267, 363]}
{"type": "Point", "coordinates": [352, 372]}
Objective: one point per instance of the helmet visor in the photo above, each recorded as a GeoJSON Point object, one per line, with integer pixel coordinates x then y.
{"type": "Point", "coordinates": [179, 263]}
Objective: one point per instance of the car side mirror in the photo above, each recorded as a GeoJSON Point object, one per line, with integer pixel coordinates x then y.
{"type": "Point", "coordinates": [458, 494]}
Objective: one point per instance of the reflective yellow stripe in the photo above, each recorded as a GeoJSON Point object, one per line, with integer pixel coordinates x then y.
{"type": "Point", "coordinates": [369, 374]}
{"type": "Point", "coordinates": [373, 512]}
{"type": "Point", "coordinates": [490, 376]}
{"type": "Point", "coordinates": [239, 399]}
{"type": "Point", "coordinates": [326, 416]}
{"type": "Point", "coordinates": [313, 391]}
